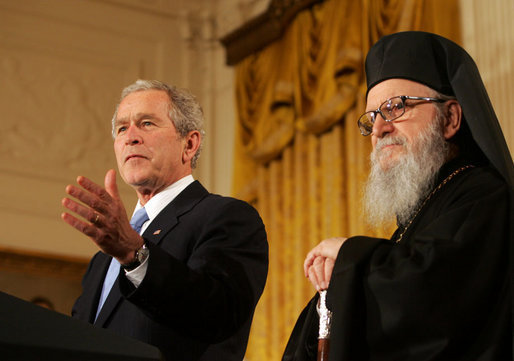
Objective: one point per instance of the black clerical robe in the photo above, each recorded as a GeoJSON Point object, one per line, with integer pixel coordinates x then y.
{"type": "Point", "coordinates": [444, 292]}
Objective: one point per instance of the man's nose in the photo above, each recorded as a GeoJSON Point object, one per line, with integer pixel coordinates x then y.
{"type": "Point", "coordinates": [133, 135]}
{"type": "Point", "coordinates": [381, 128]}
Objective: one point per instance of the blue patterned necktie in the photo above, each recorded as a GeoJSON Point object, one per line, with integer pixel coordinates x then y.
{"type": "Point", "coordinates": [137, 221]}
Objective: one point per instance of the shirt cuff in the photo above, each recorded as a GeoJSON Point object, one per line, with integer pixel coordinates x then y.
{"type": "Point", "coordinates": [137, 274]}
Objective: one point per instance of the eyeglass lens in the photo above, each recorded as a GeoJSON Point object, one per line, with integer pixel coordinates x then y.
{"type": "Point", "coordinates": [389, 110]}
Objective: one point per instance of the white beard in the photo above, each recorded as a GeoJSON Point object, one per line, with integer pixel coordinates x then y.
{"type": "Point", "coordinates": [399, 189]}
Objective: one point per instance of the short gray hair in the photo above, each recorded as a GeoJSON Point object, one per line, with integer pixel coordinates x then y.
{"type": "Point", "coordinates": [441, 106]}
{"type": "Point", "coordinates": [184, 110]}
{"type": "Point", "coordinates": [454, 143]}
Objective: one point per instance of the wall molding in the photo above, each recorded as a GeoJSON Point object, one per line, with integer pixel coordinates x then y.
{"type": "Point", "coordinates": [263, 29]}
{"type": "Point", "coordinates": [41, 264]}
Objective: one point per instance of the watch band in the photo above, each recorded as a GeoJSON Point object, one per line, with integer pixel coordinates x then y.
{"type": "Point", "coordinates": [140, 257]}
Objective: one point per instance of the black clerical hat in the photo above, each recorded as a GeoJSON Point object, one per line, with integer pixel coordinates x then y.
{"type": "Point", "coordinates": [447, 68]}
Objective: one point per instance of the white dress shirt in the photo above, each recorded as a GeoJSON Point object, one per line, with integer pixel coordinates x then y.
{"type": "Point", "coordinates": [153, 207]}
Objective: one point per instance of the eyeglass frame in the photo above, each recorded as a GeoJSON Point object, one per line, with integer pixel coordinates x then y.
{"type": "Point", "coordinates": [403, 98]}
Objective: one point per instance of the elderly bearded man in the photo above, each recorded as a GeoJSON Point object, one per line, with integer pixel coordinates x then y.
{"type": "Point", "coordinates": [186, 274]}
{"type": "Point", "coordinates": [441, 288]}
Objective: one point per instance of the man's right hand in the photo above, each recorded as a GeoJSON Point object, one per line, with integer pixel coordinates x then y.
{"type": "Point", "coordinates": [319, 263]}
{"type": "Point", "coordinates": [108, 224]}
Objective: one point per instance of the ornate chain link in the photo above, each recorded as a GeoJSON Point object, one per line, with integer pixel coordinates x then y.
{"type": "Point", "coordinates": [446, 180]}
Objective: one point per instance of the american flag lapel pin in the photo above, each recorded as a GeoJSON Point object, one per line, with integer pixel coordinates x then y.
{"type": "Point", "coordinates": [156, 232]}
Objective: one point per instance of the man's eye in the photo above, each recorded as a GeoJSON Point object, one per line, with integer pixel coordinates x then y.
{"type": "Point", "coordinates": [147, 124]}
{"type": "Point", "coordinates": [121, 129]}
{"type": "Point", "coordinates": [388, 108]}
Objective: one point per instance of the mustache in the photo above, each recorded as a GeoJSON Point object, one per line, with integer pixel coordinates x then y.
{"type": "Point", "coordinates": [390, 140]}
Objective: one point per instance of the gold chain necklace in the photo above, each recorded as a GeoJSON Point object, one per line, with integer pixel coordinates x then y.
{"type": "Point", "coordinates": [446, 180]}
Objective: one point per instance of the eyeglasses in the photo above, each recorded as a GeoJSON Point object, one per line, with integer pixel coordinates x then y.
{"type": "Point", "coordinates": [390, 110]}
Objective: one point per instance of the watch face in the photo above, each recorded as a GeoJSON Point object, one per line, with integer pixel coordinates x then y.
{"type": "Point", "coordinates": [142, 254]}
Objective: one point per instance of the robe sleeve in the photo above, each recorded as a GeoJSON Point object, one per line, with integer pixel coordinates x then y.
{"type": "Point", "coordinates": [443, 292]}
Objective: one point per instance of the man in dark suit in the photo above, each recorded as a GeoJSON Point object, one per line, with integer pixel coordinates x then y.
{"type": "Point", "coordinates": [185, 274]}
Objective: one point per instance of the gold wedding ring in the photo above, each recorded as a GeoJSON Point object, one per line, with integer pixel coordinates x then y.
{"type": "Point", "coordinates": [96, 219]}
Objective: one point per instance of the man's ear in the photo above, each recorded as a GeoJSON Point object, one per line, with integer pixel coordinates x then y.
{"type": "Point", "coordinates": [191, 145]}
{"type": "Point", "coordinates": [452, 118]}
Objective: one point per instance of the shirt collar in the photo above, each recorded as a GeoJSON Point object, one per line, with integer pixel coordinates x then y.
{"type": "Point", "coordinates": [157, 203]}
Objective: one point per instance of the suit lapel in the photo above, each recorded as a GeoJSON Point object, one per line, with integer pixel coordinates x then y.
{"type": "Point", "coordinates": [168, 218]}
{"type": "Point", "coordinates": [165, 221]}
{"type": "Point", "coordinates": [110, 303]}
{"type": "Point", "coordinates": [93, 288]}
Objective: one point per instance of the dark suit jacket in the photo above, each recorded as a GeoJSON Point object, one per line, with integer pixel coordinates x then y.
{"type": "Point", "coordinates": [206, 271]}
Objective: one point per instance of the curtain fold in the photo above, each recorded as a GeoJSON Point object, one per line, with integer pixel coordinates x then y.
{"type": "Point", "coordinates": [299, 157]}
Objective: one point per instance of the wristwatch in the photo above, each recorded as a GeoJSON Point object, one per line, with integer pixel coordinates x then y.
{"type": "Point", "coordinates": [141, 255]}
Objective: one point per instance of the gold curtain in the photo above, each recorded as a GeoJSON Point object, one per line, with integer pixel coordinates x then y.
{"type": "Point", "coordinates": [299, 157]}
